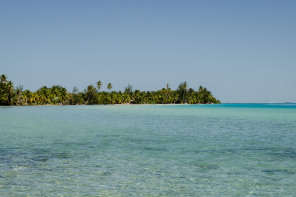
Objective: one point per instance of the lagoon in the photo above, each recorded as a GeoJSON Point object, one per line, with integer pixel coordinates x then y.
{"type": "Point", "coordinates": [148, 150]}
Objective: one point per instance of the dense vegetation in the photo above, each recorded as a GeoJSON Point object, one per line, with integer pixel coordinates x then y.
{"type": "Point", "coordinates": [58, 95]}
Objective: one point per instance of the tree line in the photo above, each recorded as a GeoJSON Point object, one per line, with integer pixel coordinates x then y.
{"type": "Point", "coordinates": [58, 95]}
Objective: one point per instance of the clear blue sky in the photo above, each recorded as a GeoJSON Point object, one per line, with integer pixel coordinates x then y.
{"type": "Point", "coordinates": [243, 51]}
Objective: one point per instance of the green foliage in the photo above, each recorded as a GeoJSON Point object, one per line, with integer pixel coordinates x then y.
{"type": "Point", "coordinates": [128, 89]}
{"type": "Point", "coordinates": [109, 86]}
{"type": "Point", "coordinates": [6, 91]}
{"type": "Point", "coordinates": [182, 91]}
{"type": "Point", "coordinates": [99, 85]}
{"type": "Point", "coordinates": [91, 95]}
{"type": "Point", "coordinates": [58, 95]}
{"type": "Point", "coordinates": [76, 99]}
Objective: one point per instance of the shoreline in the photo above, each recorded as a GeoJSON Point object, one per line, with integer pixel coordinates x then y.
{"type": "Point", "coordinates": [104, 104]}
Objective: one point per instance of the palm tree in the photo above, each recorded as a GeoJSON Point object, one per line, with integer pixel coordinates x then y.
{"type": "Point", "coordinates": [128, 89]}
{"type": "Point", "coordinates": [175, 96]}
{"type": "Point", "coordinates": [182, 90]}
{"type": "Point", "coordinates": [44, 94]}
{"type": "Point", "coordinates": [167, 86]}
{"type": "Point", "coordinates": [90, 94]}
{"type": "Point", "coordinates": [168, 92]}
{"type": "Point", "coordinates": [99, 85]}
{"type": "Point", "coordinates": [36, 98]}
{"type": "Point", "coordinates": [26, 96]}
{"type": "Point", "coordinates": [204, 95]}
{"type": "Point", "coordinates": [10, 92]}
{"type": "Point", "coordinates": [163, 94]}
{"type": "Point", "coordinates": [126, 98]}
{"type": "Point", "coordinates": [75, 90]}
{"type": "Point", "coordinates": [59, 95]}
{"type": "Point", "coordinates": [109, 86]}
{"type": "Point", "coordinates": [18, 94]}
{"type": "Point", "coordinates": [3, 78]}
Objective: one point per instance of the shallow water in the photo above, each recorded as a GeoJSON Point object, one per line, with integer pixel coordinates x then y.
{"type": "Point", "coordinates": [148, 150]}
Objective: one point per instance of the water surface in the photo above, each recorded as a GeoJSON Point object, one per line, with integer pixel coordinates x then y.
{"type": "Point", "coordinates": [148, 150]}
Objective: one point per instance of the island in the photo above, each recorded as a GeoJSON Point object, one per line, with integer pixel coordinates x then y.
{"type": "Point", "coordinates": [92, 95]}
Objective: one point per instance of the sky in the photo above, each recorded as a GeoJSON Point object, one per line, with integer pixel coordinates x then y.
{"type": "Point", "coordinates": [242, 51]}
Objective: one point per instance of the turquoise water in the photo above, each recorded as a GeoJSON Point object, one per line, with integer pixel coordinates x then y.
{"type": "Point", "coordinates": [148, 150]}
